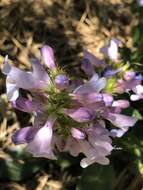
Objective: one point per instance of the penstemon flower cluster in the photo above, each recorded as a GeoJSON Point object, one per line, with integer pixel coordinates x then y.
{"type": "Point", "coordinates": [71, 114]}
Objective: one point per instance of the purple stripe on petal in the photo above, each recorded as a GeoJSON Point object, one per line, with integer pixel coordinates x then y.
{"type": "Point", "coordinates": [25, 105]}
{"type": "Point", "coordinates": [24, 135]}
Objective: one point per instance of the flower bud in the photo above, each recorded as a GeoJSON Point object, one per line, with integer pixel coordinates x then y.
{"type": "Point", "coordinates": [62, 82]}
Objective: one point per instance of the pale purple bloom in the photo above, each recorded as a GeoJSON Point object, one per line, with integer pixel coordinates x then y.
{"type": "Point", "coordinates": [112, 50]}
{"type": "Point", "coordinates": [140, 2]}
{"type": "Point", "coordinates": [17, 78]}
{"type": "Point", "coordinates": [95, 84]}
{"type": "Point", "coordinates": [41, 145]}
{"type": "Point", "coordinates": [95, 148]}
{"type": "Point", "coordinates": [138, 90]}
{"type": "Point", "coordinates": [121, 121]}
{"type": "Point", "coordinates": [126, 86]}
{"type": "Point", "coordinates": [121, 103]}
{"type": "Point", "coordinates": [39, 139]}
{"type": "Point", "coordinates": [117, 132]}
{"type": "Point", "coordinates": [81, 114]}
{"type": "Point", "coordinates": [84, 106]}
{"type": "Point", "coordinates": [48, 56]}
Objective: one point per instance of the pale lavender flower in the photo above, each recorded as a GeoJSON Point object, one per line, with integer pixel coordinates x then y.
{"type": "Point", "coordinates": [138, 90]}
{"type": "Point", "coordinates": [41, 145]}
{"type": "Point", "coordinates": [95, 148]}
{"type": "Point", "coordinates": [126, 86]}
{"type": "Point", "coordinates": [70, 116]}
{"type": "Point", "coordinates": [81, 114]}
{"type": "Point", "coordinates": [95, 84]}
{"type": "Point", "coordinates": [48, 56]}
{"type": "Point", "coordinates": [16, 78]}
{"type": "Point", "coordinates": [112, 50]}
{"type": "Point", "coordinates": [140, 2]}
{"type": "Point", "coordinates": [121, 103]}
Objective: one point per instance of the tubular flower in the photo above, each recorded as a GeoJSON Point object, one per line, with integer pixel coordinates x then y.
{"type": "Point", "coordinates": [70, 114]}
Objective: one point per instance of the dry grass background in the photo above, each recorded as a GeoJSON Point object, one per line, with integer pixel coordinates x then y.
{"type": "Point", "coordinates": [68, 26]}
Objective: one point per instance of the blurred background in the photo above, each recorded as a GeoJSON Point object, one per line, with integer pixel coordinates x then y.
{"type": "Point", "coordinates": [68, 26]}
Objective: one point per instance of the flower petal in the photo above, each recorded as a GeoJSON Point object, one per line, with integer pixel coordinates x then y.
{"type": "Point", "coordinates": [88, 161]}
{"type": "Point", "coordinates": [93, 85]}
{"type": "Point", "coordinates": [121, 103]}
{"type": "Point", "coordinates": [121, 121]}
{"type": "Point", "coordinates": [112, 50]}
{"type": "Point", "coordinates": [90, 98]}
{"type": "Point", "coordinates": [48, 56]}
{"type": "Point", "coordinates": [93, 59]}
{"type": "Point", "coordinates": [21, 79]}
{"type": "Point", "coordinates": [81, 114]}
{"type": "Point", "coordinates": [77, 134]}
{"type": "Point", "coordinates": [117, 132]}
{"type": "Point", "coordinates": [24, 135]}
{"type": "Point", "coordinates": [38, 71]}
{"type": "Point", "coordinates": [12, 91]}
{"type": "Point", "coordinates": [72, 146]}
{"type": "Point", "coordinates": [25, 105]}
{"type": "Point", "coordinates": [62, 82]}
{"type": "Point", "coordinates": [41, 145]}
{"type": "Point", "coordinates": [108, 99]}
